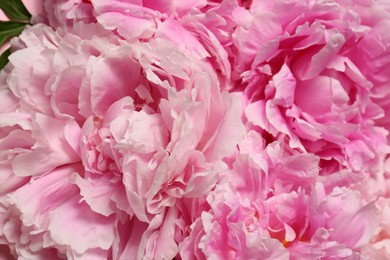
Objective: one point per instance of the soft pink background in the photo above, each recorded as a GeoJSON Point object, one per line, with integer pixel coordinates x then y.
{"type": "Point", "coordinates": [34, 6]}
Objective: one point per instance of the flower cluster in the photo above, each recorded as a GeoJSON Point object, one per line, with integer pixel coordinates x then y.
{"type": "Point", "coordinates": [203, 129]}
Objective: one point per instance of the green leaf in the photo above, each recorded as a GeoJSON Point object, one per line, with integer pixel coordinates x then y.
{"type": "Point", "coordinates": [15, 10]}
{"type": "Point", "coordinates": [9, 29]}
{"type": "Point", "coordinates": [4, 58]}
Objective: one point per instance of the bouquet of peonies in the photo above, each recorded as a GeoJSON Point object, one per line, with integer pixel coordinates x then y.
{"type": "Point", "coordinates": [195, 129]}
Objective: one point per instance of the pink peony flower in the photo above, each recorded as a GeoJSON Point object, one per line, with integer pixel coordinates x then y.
{"type": "Point", "coordinates": [273, 205]}
{"type": "Point", "coordinates": [302, 82]}
{"type": "Point", "coordinates": [144, 127]}
{"type": "Point", "coordinates": [230, 230]}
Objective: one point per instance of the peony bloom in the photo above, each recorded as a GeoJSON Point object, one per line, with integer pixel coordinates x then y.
{"type": "Point", "coordinates": [272, 205]}
{"type": "Point", "coordinates": [302, 83]}
{"type": "Point", "coordinates": [135, 127]}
